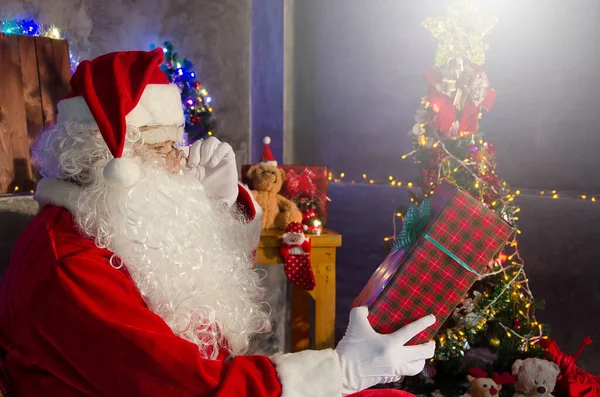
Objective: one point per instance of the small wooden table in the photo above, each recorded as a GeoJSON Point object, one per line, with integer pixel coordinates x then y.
{"type": "Point", "coordinates": [323, 262]}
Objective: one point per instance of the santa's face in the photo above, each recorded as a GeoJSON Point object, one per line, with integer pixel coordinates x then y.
{"type": "Point", "coordinates": [163, 154]}
{"type": "Point", "coordinates": [293, 238]}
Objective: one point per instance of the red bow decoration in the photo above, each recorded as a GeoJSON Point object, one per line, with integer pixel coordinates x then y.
{"type": "Point", "coordinates": [444, 108]}
{"type": "Point", "coordinates": [446, 116]}
{"type": "Point", "coordinates": [576, 381]}
{"type": "Point", "coordinates": [300, 184]}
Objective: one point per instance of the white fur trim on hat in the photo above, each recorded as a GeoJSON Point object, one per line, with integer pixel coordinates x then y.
{"type": "Point", "coordinates": [160, 104]}
{"type": "Point", "coordinates": [163, 133]}
{"type": "Point", "coordinates": [310, 373]}
{"type": "Point", "coordinates": [271, 163]}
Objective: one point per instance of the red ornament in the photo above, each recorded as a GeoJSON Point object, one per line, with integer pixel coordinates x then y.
{"type": "Point", "coordinates": [308, 214]}
{"type": "Point", "coordinates": [517, 324]}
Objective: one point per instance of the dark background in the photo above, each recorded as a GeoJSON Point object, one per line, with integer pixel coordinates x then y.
{"type": "Point", "coordinates": [359, 67]}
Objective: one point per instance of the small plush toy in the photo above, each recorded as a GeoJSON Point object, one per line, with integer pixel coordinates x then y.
{"type": "Point", "coordinates": [295, 251]}
{"type": "Point", "coordinates": [267, 180]}
{"type": "Point", "coordinates": [535, 377]}
{"type": "Point", "coordinates": [483, 386]}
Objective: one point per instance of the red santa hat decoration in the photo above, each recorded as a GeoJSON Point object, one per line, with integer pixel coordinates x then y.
{"type": "Point", "coordinates": [267, 157]}
{"type": "Point", "coordinates": [295, 227]}
{"type": "Point", "coordinates": [123, 89]}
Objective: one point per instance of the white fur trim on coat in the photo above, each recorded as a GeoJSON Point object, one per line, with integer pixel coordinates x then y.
{"type": "Point", "coordinates": [57, 192]}
{"type": "Point", "coordinates": [310, 373]}
{"type": "Point", "coordinates": [160, 104]}
{"type": "Point", "coordinates": [253, 228]}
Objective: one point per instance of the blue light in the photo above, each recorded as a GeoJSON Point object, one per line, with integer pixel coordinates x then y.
{"type": "Point", "coordinates": [180, 72]}
{"type": "Point", "coordinates": [165, 50]}
{"type": "Point", "coordinates": [29, 28]}
{"type": "Point", "coordinates": [208, 99]}
{"type": "Point", "coordinates": [193, 74]}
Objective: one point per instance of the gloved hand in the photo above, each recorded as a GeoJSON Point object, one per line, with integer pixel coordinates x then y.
{"type": "Point", "coordinates": [213, 163]}
{"type": "Point", "coordinates": [368, 358]}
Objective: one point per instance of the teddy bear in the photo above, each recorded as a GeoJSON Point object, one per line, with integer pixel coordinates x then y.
{"type": "Point", "coordinates": [480, 385]}
{"type": "Point", "coordinates": [267, 180]}
{"type": "Point", "coordinates": [535, 377]}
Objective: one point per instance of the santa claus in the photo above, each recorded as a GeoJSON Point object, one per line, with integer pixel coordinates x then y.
{"type": "Point", "coordinates": [136, 278]}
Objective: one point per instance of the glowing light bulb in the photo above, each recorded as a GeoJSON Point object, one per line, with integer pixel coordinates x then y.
{"type": "Point", "coordinates": [342, 175]}
{"type": "Point", "coordinates": [54, 32]}
{"type": "Point", "coordinates": [409, 184]}
{"type": "Point", "coordinates": [391, 178]}
{"type": "Point", "coordinates": [583, 196]}
{"type": "Point", "coordinates": [364, 176]}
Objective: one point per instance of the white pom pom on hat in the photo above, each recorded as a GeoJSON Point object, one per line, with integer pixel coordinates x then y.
{"type": "Point", "coordinates": [122, 171]}
{"type": "Point", "coordinates": [267, 140]}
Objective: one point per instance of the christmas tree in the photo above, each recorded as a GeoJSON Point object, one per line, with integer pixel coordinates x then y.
{"type": "Point", "coordinates": [495, 324]}
{"type": "Point", "coordinates": [194, 97]}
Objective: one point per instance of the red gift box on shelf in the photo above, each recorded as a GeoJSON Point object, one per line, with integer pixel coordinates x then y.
{"type": "Point", "coordinates": [306, 185]}
{"type": "Point", "coordinates": [445, 244]}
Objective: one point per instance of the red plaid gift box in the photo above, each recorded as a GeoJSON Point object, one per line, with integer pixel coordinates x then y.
{"type": "Point", "coordinates": [433, 274]}
{"type": "Point", "coordinates": [303, 184]}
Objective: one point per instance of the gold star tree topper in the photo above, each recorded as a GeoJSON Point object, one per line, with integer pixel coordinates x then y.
{"type": "Point", "coordinates": [460, 32]}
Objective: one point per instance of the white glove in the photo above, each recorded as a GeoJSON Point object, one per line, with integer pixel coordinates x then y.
{"type": "Point", "coordinates": [213, 163]}
{"type": "Point", "coordinates": [368, 358]}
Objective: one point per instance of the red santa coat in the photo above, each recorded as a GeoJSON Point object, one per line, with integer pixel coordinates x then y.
{"type": "Point", "coordinates": [73, 325]}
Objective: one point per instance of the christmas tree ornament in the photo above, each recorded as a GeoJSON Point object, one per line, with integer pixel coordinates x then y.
{"type": "Point", "coordinates": [295, 251]}
{"type": "Point", "coordinates": [460, 32]}
{"type": "Point", "coordinates": [517, 324]}
{"type": "Point", "coordinates": [494, 342]}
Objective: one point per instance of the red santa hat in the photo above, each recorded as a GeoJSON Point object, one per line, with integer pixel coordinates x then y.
{"type": "Point", "coordinates": [267, 157]}
{"type": "Point", "coordinates": [123, 89]}
{"type": "Point", "coordinates": [295, 227]}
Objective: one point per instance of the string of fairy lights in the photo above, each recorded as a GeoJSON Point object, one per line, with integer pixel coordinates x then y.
{"type": "Point", "coordinates": [365, 179]}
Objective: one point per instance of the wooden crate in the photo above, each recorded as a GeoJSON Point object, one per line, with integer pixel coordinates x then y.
{"type": "Point", "coordinates": [34, 76]}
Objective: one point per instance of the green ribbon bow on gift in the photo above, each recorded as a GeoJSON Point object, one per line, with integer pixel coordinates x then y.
{"type": "Point", "coordinates": [415, 223]}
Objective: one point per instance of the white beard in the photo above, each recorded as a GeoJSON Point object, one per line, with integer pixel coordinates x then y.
{"type": "Point", "coordinates": [189, 257]}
